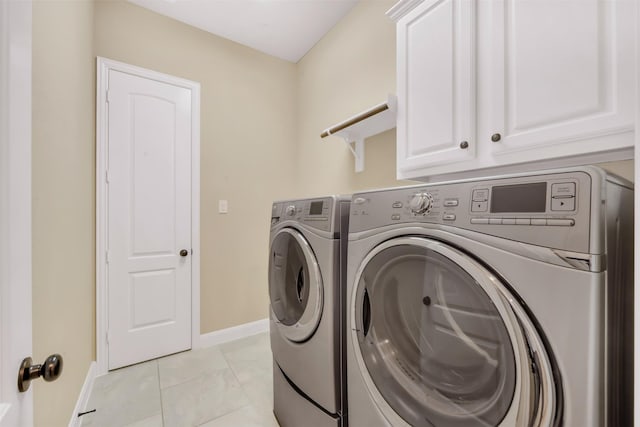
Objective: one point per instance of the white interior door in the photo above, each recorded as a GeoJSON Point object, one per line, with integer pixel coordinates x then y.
{"type": "Point", "coordinates": [148, 218]}
{"type": "Point", "coordinates": [16, 409]}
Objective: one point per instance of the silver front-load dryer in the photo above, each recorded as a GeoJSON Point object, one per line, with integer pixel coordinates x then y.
{"type": "Point", "coordinates": [306, 288]}
{"type": "Point", "coordinates": [494, 302]}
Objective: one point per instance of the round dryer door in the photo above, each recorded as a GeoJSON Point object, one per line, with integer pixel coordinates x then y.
{"type": "Point", "coordinates": [295, 285]}
{"type": "Point", "coordinates": [440, 341]}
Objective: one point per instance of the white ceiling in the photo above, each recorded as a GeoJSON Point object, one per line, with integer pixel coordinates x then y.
{"type": "Point", "coordinates": [287, 29]}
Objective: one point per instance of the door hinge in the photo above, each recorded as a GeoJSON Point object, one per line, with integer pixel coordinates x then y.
{"type": "Point", "coordinates": [107, 337]}
{"type": "Point", "coordinates": [106, 257]}
{"type": "Point", "coordinates": [106, 176]}
{"type": "Point", "coordinates": [107, 95]}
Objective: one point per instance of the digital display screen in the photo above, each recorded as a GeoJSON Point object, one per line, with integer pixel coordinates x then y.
{"type": "Point", "coordinates": [316, 208]}
{"type": "Point", "coordinates": [519, 198]}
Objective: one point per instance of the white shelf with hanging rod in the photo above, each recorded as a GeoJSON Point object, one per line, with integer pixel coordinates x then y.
{"type": "Point", "coordinates": [356, 129]}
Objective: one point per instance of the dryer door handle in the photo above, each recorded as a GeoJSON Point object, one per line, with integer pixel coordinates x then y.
{"type": "Point", "coordinates": [366, 313]}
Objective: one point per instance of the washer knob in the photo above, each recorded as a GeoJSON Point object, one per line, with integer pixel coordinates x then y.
{"type": "Point", "coordinates": [421, 203]}
{"type": "Point", "coordinates": [291, 210]}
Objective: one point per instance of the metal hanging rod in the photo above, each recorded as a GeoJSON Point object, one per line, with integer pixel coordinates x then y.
{"type": "Point", "coordinates": [356, 129]}
{"type": "Point", "coordinates": [356, 119]}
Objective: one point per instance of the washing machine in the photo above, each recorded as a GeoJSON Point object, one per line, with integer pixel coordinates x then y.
{"type": "Point", "coordinates": [307, 270]}
{"type": "Point", "coordinates": [504, 301]}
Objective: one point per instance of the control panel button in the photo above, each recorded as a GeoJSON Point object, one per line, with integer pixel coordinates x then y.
{"type": "Point", "coordinates": [479, 220]}
{"type": "Point", "coordinates": [564, 189]}
{"type": "Point", "coordinates": [450, 202]}
{"type": "Point", "coordinates": [395, 217]}
{"type": "Point", "coordinates": [523, 221]}
{"type": "Point", "coordinates": [561, 222]}
{"type": "Point", "coordinates": [563, 204]}
{"type": "Point", "coordinates": [480, 195]}
{"type": "Point", "coordinates": [291, 210]}
{"type": "Point", "coordinates": [396, 205]}
{"type": "Point", "coordinates": [479, 206]}
{"type": "Point", "coordinates": [359, 200]}
{"type": "Point", "coordinates": [449, 217]}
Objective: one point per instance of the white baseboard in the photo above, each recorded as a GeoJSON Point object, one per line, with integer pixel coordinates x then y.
{"type": "Point", "coordinates": [234, 333]}
{"type": "Point", "coordinates": [85, 393]}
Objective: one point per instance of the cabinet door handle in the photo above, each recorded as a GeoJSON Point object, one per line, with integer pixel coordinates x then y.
{"type": "Point", "coordinates": [464, 144]}
{"type": "Point", "coordinates": [496, 137]}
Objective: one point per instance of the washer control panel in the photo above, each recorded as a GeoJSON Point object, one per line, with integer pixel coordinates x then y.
{"type": "Point", "coordinates": [316, 213]}
{"type": "Point", "coordinates": [532, 208]}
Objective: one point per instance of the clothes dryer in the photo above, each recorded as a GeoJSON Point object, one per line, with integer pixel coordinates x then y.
{"type": "Point", "coordinates": [503, 301]}
{"type": "Point", "coordinates": [306, 288]}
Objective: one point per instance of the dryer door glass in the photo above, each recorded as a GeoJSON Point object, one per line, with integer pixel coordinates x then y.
{"type": "Point", "coordinates": [295, 286]}
{"type": "Point", "coordinates": [433, 341]}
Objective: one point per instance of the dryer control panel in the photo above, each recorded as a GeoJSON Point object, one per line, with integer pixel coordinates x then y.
{"type": "Point", "coordinates": [546, 209]}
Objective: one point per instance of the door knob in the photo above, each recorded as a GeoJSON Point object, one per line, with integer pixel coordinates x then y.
{"type": "Point", "coordinates": [50, 370]}
{"type": "Point", "coordinates": [184, 252]}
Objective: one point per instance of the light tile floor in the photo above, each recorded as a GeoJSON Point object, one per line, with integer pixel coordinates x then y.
{"type": "Point", "coordinates": [227, 385]}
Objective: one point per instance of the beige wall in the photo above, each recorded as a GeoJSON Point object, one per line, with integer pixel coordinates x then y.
{"type": "Point", "coordinates": [247, 135]}
{"type": "Point", "coordinates": [623, 169]}
{"type": "Point", "coordinates": [63, 201]}
{"type": "Point", "coordinates": [350, 70]}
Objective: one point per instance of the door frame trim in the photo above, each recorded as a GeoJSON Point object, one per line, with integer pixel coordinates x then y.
{"type": "Point", "coordinates": [15, 206]}
{"type": "Point", "coordinates": [103, 65]}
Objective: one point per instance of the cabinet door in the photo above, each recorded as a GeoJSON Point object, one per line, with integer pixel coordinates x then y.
{"type": "Point", "coordinates": [560, 76]}
{"type": "Point", "coordinates": [436, 85]}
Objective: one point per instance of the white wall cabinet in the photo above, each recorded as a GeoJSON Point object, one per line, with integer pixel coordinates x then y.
{"type": "Point", "coordinates": [436, 58]}
{"type": "Point", "coordinates": [488, 84]}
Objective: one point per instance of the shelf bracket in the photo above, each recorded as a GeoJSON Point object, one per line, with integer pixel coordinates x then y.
{"type": "Point", "coordinates": [357, 148]}
{"type": "Point", "coordinates": [356, 129]}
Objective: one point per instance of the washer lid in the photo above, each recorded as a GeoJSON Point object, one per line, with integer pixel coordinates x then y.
{"type": "Point", "coordinates": [439, 343]}
{"type": "Point", "coordinates": [295, 285]}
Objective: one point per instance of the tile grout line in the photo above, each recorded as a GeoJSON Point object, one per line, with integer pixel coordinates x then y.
{"type": "Point", "coordinates": [226, 368]}
{"type": "Point", "coordinates": [184, 381]}
{"type": "Point", "coordinates": [249, 405]}
{"type": "Point", "coordinates": [242, 390]}
{"type": "Point", "coordinates": [226, 359]}
{"type": "Point", "coordinates": [160, 393]}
